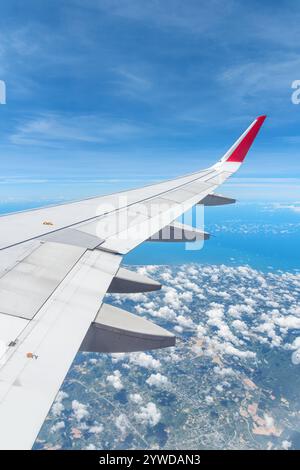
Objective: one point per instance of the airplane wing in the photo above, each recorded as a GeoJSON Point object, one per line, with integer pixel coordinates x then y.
{"type": "Point", "coordinates": [56, 265]}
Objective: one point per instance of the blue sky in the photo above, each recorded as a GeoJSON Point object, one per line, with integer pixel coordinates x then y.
{"type": "Point", "coordinates": [108, 94]}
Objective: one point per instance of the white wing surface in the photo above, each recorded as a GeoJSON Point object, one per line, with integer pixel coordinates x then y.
{"type": "Point", "coordinates": [56, 265]}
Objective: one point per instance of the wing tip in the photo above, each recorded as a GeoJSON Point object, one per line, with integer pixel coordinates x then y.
{"type": "Point", "coordinates": [239, 153]}
{"type": "Point", "coordinates": [261, 118]}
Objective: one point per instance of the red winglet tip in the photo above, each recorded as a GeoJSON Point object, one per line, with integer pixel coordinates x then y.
{"type": "Point", "coordinates": [240, 152]}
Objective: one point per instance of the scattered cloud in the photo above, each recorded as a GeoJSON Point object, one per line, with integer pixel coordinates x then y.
{"type": "Point", "coordinates": [96, 429]}
{"type": "Point", "coordinates": [115, 380]}
{"type": "Point", "coordinates": [80, 410]}
{"type": "Point", "coordinates": [122, 424]}
{"type": "Point", "coordinates": [228, 335]}
{"type": "Point", "coordinates": [144, 360]}
{"type": "Point", "coordinates": [148, 414]}
{"type": "Point", "coordinates": [230, 328]}
{"type": "Point", "coordinates": [157, 380]}
{"type": "Point", "coordinates": [57, 426]}
{"type": "Point", "coordinates": [136, 398]}
{"type": "Point", "coordinates": [58, 407]}
{"type": "Point", "coordinates": [57, 129]}
{"type": "Point", "coordinates": [286, 445]}
{"type": "Point", "coordinates": [90, 447]}
{"type": "Point", "coordinates": [295, 207]}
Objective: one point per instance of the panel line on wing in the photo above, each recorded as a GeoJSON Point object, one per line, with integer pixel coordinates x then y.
{"type": "Point", "coordinates": [26, 287]}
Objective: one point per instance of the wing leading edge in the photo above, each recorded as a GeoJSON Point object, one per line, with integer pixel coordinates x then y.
{"type": "Point", "coordinates": [57, 263]}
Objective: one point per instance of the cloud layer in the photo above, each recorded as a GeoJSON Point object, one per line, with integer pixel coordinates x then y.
{"type": "Point", "coordinates": [238, 334]}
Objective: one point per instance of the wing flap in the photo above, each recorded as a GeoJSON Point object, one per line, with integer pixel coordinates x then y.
{"type": "Point", "coordinates": [116, 330]}
{"type": "Point", "coordinates": [126, 281]}
{"type": "Point", "coordinates": [216, 200]}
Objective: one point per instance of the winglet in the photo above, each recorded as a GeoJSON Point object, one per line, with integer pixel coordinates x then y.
{"type": "Point", "coordinates": [239, 150]}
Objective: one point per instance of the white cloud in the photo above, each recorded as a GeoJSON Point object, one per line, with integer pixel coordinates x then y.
{"type": "Point", "coordinates": [290, 322]}
{"type": "Point", "coordinates": [138, 297]}
{"type": "Point", "coordinates": [54, 129]}
{"type": "Point", "coordinates": [58, 407]}
{"type": "Point", "coordinates": [227, 333]}
{"type": "Point", "coordinates": [149, 414]}
{"type": "Point", "coordinates": [186, 297]}
{"type": "Point", "coordinates": [209, 400]}
{"type": "Point", "coordinates": [173, 356]}
{"type": "Point", "coordinates": [295, 207]}
{"type": "Point", "coordinates": [90, 447]}
{"type": "Point", "coordinates": [296, 357]}
{"type": "Point", "coordinates": [121, 422]}
{"type": "Point", "coordinates": [223, 371]}
{"type": "Point", "coordinates": [240, 326]}
{"type": "Point", "coordinates": [295, 310]}
{"type": "Point", "coordinates": [248, 292]}
{"type": "Point", "coordinates": [56, 427]}
{"type": "Point", "coordinates": [296, 343]}
{"type": "Point", "coordinates": [201, 331]}
{"type": "Point", "coordinates": [136, 398]}
{"type": "Point", "coordinates": [184, 322]}
{"type": "Point", "coordinates": [216, 312]}
{"type": "Point", "coordinates": [144, 360]}
{"type": "Point", "coordinates": [232, 351]}
{"type": "Point", "coordinates": [178, 328]}
{"type": "Point", "coordinates": [172, 297]}
{"type": "Point", "coordinates": [80, 410]}
{"type": "Point", "coordinates": [166, 312]}
{"type": "Point", "coordinates": [96, 429]}
{"type": "Point", "coordinates": [116, 357]}
{"type": "Point", "coordinates": [286, 444]}
{"type": "Point", "coordinates": [238, 310]}
{"type": "Point", "coordinates": [115, 380]}
{"type": "Point", "coordinates": [269, 421]}
{"type": "Point", "coordinates": [157, 380]}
